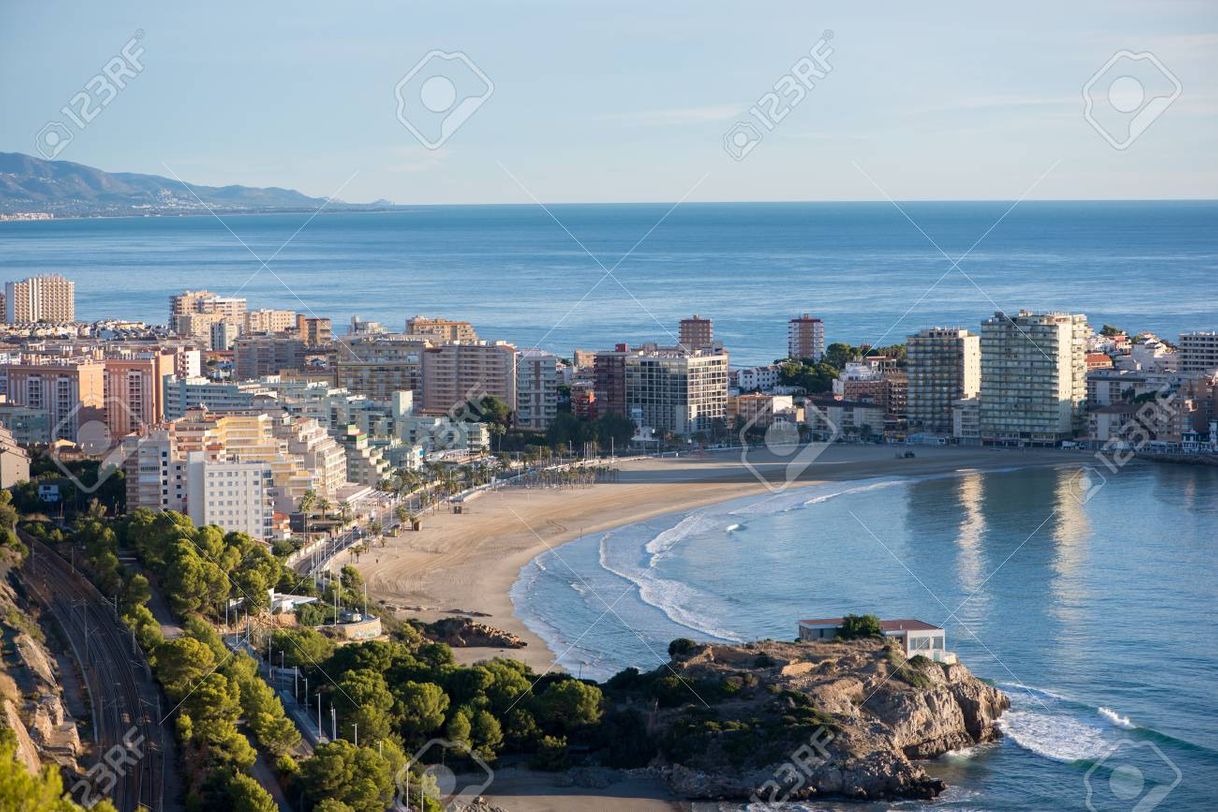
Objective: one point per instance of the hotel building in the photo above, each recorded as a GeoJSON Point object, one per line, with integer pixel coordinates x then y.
{"type": "Point", "coordinates": [456, 373]}
{"type": "Point", "coordinates": [50, 298]}
{"type": "Point", "coordinates": [673, 391]}
{"type": "Point", "coordinates": [1033, 377]}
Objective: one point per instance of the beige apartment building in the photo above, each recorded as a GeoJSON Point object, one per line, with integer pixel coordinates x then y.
{"type": "Point", "coordinates": [944, 367]}
{"type": "Point", "coordinates": [50, 298]}
{"type": "Point", "coordinates": [537, 380]}
{"type": "Point", "coordinates": [71, 392]}
{"type": "Point", "coordinates": [441, 329]}
{"type": "Point", "coordinates": [314, 331]}
{"type": "Point", "coordinates": [269, 321]}
{"type": "Point", "coordinates": [194, 313]}
{"type": "Point", "coordinates": [1033, 377]}
{"type": "Point", "coordinates": [134, 390]}
{"type": "Point", "coordinates": [805, 337]}
{"type": "Point", "coordinates": [454, 374]}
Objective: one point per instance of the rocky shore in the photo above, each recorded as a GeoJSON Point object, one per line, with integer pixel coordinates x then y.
{"type": "Point", "coordinates": [773, 721]}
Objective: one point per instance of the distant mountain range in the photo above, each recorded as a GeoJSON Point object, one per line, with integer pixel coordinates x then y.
{"type": "Point", "coordinates": [65, 189]}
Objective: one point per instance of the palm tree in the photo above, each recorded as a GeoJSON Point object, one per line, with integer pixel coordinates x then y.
{"type": "Point", "coordinates": [345, 512]}
{"type": "Point", "coordinates": [307, 502]}
{"type": "Point", "coordinates": [324, 506]}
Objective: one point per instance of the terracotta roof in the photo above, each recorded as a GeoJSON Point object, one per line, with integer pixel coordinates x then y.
{"type": "Point", "coordinates": [901, 624]}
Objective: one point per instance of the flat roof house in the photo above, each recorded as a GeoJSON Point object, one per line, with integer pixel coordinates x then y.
{"type": "Point", "coordinates": [915, 636]}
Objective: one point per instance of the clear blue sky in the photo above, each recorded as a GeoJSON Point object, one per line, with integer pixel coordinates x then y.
{"type": "Point", "coordinates": [625, 101]}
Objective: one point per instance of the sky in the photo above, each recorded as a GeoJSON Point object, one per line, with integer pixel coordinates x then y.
{"type": "Point", "coordinates": [630, 101]}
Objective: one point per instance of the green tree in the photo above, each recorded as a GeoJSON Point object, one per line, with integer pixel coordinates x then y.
{"type": "Point", "coordinates": [486, 734]}
{"type": "Point", "coordinates": [569, 705]}
{"type": "Point", "coordinates": [302, 646]}
{"type": "Point", "coordinates": [181, 663]}
{"type": "Point", "coordinates": [245, 794]}
{"type": "Point", "coordinates": [33, 792]}
{"type": "Point", "coordinates": [422, 706]}
{"type": "Point", "coordinates": [856, 626]}
{"type": "Point", "coordinates": [356, 776]}
{"type": "Point", "coordinates": [363, 698]}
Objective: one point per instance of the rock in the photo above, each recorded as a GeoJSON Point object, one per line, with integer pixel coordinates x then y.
{"type": "Point", "coordinates": [463, 632]}
{"type": "Point", "coordinates": [799, 721]}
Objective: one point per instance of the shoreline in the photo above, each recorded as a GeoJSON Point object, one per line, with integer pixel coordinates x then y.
{"type": "Point", "coordinates": [467, 564]}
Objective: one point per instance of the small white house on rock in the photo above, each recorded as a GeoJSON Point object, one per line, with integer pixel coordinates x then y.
{"type": "Point", "coordinates": [916, 636]}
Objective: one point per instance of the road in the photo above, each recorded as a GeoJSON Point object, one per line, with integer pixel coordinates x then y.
{"type": "Point", "coordinates": [127, 723]}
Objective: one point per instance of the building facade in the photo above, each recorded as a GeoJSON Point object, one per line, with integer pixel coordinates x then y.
{"type": "Point", "coordinates": [806, 338]}
{"type": "Point", "coordinates": [673, 391]}
{"type": "Point", "coordinates": [1033, 377]}
{"type": "Point", "coordinates": [50, 298]}
{"type": "Point", "coordinates": [1199, 353]}
{"type": "Point", "coordinates": [696, 333]}
{"type": "Point", "coordinates": [537, 381]}
{"type": "Point", "coordinates": [454, 374]}
{"type": "Point", "coordinates": [944, 366]}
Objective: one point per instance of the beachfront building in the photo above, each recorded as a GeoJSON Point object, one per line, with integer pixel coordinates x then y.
{"type": "Point", "coordinates": [670, 390]}
{"type": "Point", "coordinates": [915, 636]}
{"type": "Point", "coordinates": [269, 321]}
{"type": "Point", "coordinates": [828, 419]}
{"type": "Point", "coordinates": [1033, 377]}
{"type": "Point", "coordinates": [759, 410]}
{"type": "Point", "coordinates": [806, 338]}
{"type": "Point", "coordinates": [314, 331]}
{"type": "Point", "coordinates": [1199, 353]}
{"type": "Point", "coordinates": [457, 376]}
{"type": "Point", "coordinates": [944, 366]}
{"type": "Point", "coordinates": [194, 313]}
{"type": "Point", "coordinates": [50, 298]}
{"type": "Point", "coordinates": [537, 381]}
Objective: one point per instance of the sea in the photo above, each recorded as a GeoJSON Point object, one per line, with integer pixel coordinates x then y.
{"type": "Point", "coordinates": [1098, 617]}
{"type": "Point", "coordinates": [590, 276]}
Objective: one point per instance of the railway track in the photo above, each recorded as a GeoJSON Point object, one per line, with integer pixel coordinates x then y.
{"type": "Point", "coordinates": [131, 743]}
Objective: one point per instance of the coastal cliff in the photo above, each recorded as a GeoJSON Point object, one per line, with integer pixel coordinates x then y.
{"type": "Point", "coordinates": [775, 721]}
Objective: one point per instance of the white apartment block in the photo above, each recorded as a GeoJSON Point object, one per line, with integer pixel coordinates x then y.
{"type": "Point", "coordinates": [50, 298]}
{"type": "Point", "coordinates": [1033, 377]}
{"type": "Point", "coordinates": [805, 337]}
{"type": "Point", "coordinates": [678, 392]}
{"type": "Point", "coordinates": [1198, 353]}
{"type": "Point", "coordinates": [944, 367]}
{"type": "Point", "coordinates": [235, 496]}
{"type": "Point", "coordinates": [757, 379]}
{"type": "Point", "coordinates": [537, 381]}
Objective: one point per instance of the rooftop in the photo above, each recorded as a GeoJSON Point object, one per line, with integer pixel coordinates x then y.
{"type": "Point", "coordinates": [901, 624]}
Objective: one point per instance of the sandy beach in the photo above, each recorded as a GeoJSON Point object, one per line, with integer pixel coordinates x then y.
{"type": "Point", "coordinates": [467, 563]}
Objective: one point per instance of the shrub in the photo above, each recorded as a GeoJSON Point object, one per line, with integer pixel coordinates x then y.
{"type": "Point", "coordinates": [858, 626]}
{"type": "Point", "coordinates": [680, 647]}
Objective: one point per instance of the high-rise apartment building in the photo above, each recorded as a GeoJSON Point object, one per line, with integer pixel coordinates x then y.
{"type": "Point", "coordinates": [194, 312]}
{"type": "Point", "coordinates": [441, 329]}
{"type": "Point", "coordinates": [379, 365]}
{"type": "Point", "coordinates": [1033, 377]}
{"type": "Point", "coordinates": [257, 355]}
{"type": "Point", "coordinates": [673, 391]}
{"type": "Point", "coordinates": [944, 366]}
{"type": "Point", "coordinates": [1198, 352]}
{"type": "Point", "coordinates": [454, 374]}
{"type": "Point", "coordinates": [696, 333]}
{"type": "Point", "coordinates": [806, 338]}
{"type": "Point", "coordinates": [609, 380]}
{"type": "Point", "coordinates": [537, 380]}
{"type": "Point", "coordinates": [50, 298]}
{"type": "Point", "coordinates": [135, 391]}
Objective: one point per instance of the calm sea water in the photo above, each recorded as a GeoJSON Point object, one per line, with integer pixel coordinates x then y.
{"type": "Point", "coordinates": [518, 275]}
{"type": "Point", "coordinates": [1097, 619]}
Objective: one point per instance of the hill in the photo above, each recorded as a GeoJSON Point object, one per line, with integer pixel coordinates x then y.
{"type": "Point", "coordinates": [66, 189]}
